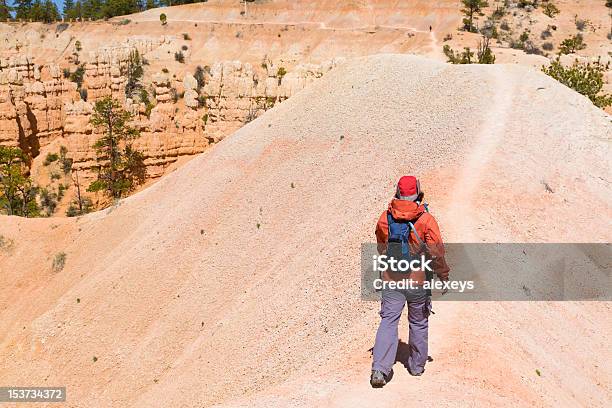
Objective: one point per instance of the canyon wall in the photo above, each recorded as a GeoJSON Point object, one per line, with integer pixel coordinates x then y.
{"type": "Point", "coordinates": [41, 108]}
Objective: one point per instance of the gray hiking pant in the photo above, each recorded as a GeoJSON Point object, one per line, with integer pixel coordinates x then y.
{"type": "Point", "coordinates": [385, 348]}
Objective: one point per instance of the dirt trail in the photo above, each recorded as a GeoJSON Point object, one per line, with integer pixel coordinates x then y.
{"type": "Point", "coordinates": [235, 279]}
{"type": "Point", "coordinates": [490, 133]}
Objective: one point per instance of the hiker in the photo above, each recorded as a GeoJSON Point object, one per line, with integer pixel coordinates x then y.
{"type": "Point", "coordinates": [430, 29]}
{"type": "Point", "coordinates": [408, 214]}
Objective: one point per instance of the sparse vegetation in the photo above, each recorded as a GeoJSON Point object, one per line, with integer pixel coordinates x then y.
{"type": "Point", "coordinates": [550, 9]}
{"type": "Point", "coordinates": [179, 56]}
{"type": "Point", "coordinates": [471, 8]}
{"type": "Point", "coordinates": [77, 208]}
{"type": "Point", "coordinates": [163, 18]}
{"type": "Point", "coordinates": [59, 261]}
{"type": "Point", "coordinates": [581, 24]}
{"type": "Point", "coordinates": [199, 77]}
{"type": "Point", "coordinates": [134, 73]}
{"type": "Point", "coordinates": [484, 54]}
{"type": "Point", "coordinates": [144, 98]}
{"type": "Point", "coordinates": [80, 205]}
{"type": "Point", "coordinates": [499, 12]}
{"type": "Point", "coordinates": [586, 79]}
{"type": "Point", "coordinates": [65, 162]}
{"type": "Point", "coordinates": [529, 4]}
{"type": "Point", "coordinates": [6, 244]}
{"type": "Point", "coordinates": [17, 192]}
{"type": "Point", "coordinates": [51, 157]}
{"type": "Point", "coordinates": [48, 201]}
{"type": "Point", "coordinates": [174, 95]}
{"type": "Point", "coordinates": [186, 37]}
{"type": "Point", "coordinates": [522, 42]}
{"type": "Point", "coordinates": [572, 44]}
{"type": "Point", "coordinates": [280, 74]}
{"type": "Point", "coordinates": [77, 76]}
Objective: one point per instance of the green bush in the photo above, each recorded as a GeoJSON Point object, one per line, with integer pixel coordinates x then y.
{"type": "Point", "coordinates": [199, 77]}
{"type": "Point", "coordinates": [163, 18]}
{"type": "Point", "coordinates": [77, 76]}
{"type": "Point", "coordinates": [280, 74]}
{"type": "Point", "coordinates": [551, 10]}
{"type": "Point", "coordinates": [581, 24]}
{"type": "Point", "coordinates": [59, 261]}
{"type": "Point", "coordinates": [484, 54]}
{"type": "Point", "coordinates": [586, 79]}
{"type": "Point", "coordinates": [51, 157]}
{"type": "Point", "coordinates": [48, 201]}
{"type": "Point", "coordinates": [76, 209]}
{"type": "Point", "coordinates": [144, 98]}
{"type": "Point", "coordinates": [572, 44]}
{"type": "Point", "coordinates": [17, 191]}
{"type": "Point", "coordinates": [179, 56]}
{"type": "Point", "coordinates": [65, 162]}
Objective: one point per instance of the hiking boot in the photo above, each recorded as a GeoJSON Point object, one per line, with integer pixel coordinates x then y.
{"type": "Point", "coordinates": [415, 374]}
{"type": "Point", "coordinates": [379, 379]}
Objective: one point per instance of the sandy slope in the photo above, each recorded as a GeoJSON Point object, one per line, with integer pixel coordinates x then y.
{"type": "Point", "coordinates": [235, 279]}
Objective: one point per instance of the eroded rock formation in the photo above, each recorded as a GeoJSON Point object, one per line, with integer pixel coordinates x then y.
{"type": "Point", "coordinates": [40, 107]}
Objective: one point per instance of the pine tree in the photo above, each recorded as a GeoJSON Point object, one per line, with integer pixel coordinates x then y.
{"type": "Point", "coordinates": [68, 10]}
{"type": "Point", "coordinates": [22, 9]}
{"type": "Point", "coordinates": [121, 167]}
{"type": "Point", "coordinates": [50, 12]}
{"type": "Point", "coordinates": [470, 7]}
{"type": "Point", "coordinates": [5, 11]}
{"type": "Point", "coordinates": [17, 193]}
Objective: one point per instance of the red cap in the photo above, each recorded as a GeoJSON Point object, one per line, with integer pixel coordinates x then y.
{"type": "Point", "coordinates": [408, 188]}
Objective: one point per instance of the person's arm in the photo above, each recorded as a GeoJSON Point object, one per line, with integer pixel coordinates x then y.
{"type": "Point", "coordinates": [435, 246]}
{"type": "Point", "coordinates": [382, 233]}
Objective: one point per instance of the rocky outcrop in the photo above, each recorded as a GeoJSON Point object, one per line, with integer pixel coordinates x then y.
{"type": "Point", "coordinates": [38, 106]}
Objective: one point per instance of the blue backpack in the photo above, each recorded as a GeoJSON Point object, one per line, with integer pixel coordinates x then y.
{"type": "Point", "coordinates": [398, 245]}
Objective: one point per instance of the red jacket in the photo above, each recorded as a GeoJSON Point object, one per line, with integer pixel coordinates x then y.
{"type": "Point", "coordinates": [425, 225]}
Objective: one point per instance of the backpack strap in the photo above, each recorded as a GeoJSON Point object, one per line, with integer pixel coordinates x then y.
{"type": "Point", "coordinates": [416, 234]}
{"type": "Point", "coordinates": [391, 220]}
